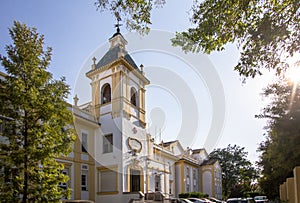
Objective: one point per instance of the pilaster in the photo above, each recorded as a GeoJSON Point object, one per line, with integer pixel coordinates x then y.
{"type": "Point", "coordinates": [116, 94]}
{"type": "Point", "coordinates": [290, 190]}
{"type": "Point", "coordinates": [297, 183]}
{"type": "Point", "coordinates": [282, 192]}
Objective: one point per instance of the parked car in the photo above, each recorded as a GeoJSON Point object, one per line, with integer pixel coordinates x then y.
{"type": "Point", "coordinates": [77, 201]}
{"type": "Point", "coordinates": [250, 200]}
{"type": "Point", "coordinates": [234, 200]}
{"type": "Point", "coordinates": [185, 201]}
{"type": "Point", "coordinates": [261, 199]}
{"type": "Point", "coordinates": [215, 200]}
{"type": "Point", "coordinates": [207, 200]}
{"type": "Point", "coordinates": [198, 200]}
{"type": "Point", "coordinates": [240, 200]}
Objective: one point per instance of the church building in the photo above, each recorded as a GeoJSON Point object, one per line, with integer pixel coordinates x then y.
{"type": "Point", "coordinates": [114, 158]}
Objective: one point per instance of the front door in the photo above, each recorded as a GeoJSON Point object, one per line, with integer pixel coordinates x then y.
{"type": "Point", "coordinates": [157, 183]}
{"type": "Point", "coordinates": [135, 180]}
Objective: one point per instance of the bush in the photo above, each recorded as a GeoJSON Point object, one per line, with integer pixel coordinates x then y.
{"type": "Point", "coordinates": [184, 195]}
{"type": "Point", "coordinates": [192, 194]}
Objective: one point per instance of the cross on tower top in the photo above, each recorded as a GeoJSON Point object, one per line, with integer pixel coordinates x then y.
{"type": "Point", "coordinates": [118, 21]}
{"type": "Point", "coordinates": [94, 60]}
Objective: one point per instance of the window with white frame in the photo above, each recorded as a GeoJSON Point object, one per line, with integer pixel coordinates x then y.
{"type": "Point", "coordinates": [84, 142]}
{"type": "Point", "coordinates": [188, 179]}
{"type": "Point", "coordinates": [108, 143]}
{"type": "Point", "coordinates": [84, 178]}
{"type": "Point", "coordinates": [64, 185]}
{"type": "Point", "coordinates": [195, 180]}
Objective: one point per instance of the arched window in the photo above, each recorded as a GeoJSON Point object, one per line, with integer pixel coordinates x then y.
{"type": "Point", "coordinates": [133, 97]}
{"type": "Point", "coordinates": [105, 94]}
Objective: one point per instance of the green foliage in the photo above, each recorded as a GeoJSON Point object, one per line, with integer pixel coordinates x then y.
{"type": "Point", "coordinates": [40, 130]}
{"type": "Point", "coordinates": [192, 195]}
{"type": "Point", "coordinates": [197, 195]}
{"type": "Point", "coordinates": [184, 195]}
{"type": "Point", "coordinates": [267, 32]}
{"type": "Point", "coordinates": [280, 151]}
{"type": "Point", "coordinates": [136, 13]}
{"type": "Point", "coordinates": [237, 171]}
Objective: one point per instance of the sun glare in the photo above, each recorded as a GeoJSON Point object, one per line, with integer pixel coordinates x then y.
{"type": "Point", "coordinates": [293, 73]}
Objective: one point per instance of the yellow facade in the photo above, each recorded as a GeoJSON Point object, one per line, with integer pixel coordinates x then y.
{"type": "Point", "coordinates": [78, 158]}
{"type": "Point", "coordinates": [290, 184]}
{"type": "Point", "coordinates": [117, 109]}
{"type": "Point", "coordinates": [297, 183]}
{"type": "Point", "coordinates": [290, 190]}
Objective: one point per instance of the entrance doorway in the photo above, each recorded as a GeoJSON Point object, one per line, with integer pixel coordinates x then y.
{"type": "Point", "coordinates": [157, 183]}
{"type": "Point", "coordinates": [135, 180]}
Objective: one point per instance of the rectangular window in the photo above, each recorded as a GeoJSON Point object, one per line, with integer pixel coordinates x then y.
{"type": "Point", "coordinates": [187, 187]}
{"type": "Point", "coordinates": [61, 184]}
{"type": "Point", "coordinates": [7, 174]}
{"type": "Point", "coordinates": [187, 179]}
{"type": "Point", "coordinates": [195, 180]}
{"type": "Point", "coordinates": [84, 142]}
{"type": "Point", "coordinates": [84, 177]}
{"type": "Point", "coordinates": [170, 167]}
{"type": "Point", "coordinates": [157, 182]}
{"type": "Point", "coordinates": [170, 187]}
{"type": "Point", "coordinates": [108, 143]}
{"type": "Point", "coordinates": [107, 180]}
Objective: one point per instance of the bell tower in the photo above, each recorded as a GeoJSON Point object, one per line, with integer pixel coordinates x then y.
{"type": "Point", "coordinates": [118, 103]}
{"type": "Point", "coordinates": [118, 84]}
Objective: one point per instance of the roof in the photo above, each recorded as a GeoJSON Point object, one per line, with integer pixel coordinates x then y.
{"type": "Point", "coordinates": [209, 162]}
{"type": "Point", "coordinates": [166, 144]}
{"type": "Point", "coordinates": [196, 151]}
{"type": "Point", "coordinates": [113, 55]}
{"type": "Point", "coordinates": [3, 74]}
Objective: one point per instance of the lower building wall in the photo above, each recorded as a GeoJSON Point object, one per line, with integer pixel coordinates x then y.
{"type": "Point", "coordinates": [282, 189]}
{"type": "Point", "coordinates": [297, 183]}
{"type": "Point", "coordinates": [207, 183]}
{"type": "Point", "coordinates": [290, 190]}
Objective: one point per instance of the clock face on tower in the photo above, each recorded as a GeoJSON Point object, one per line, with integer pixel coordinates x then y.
{"type": "Point", "coordinates": [134, 144]}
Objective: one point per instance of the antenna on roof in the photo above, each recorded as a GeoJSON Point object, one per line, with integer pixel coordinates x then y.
{"type": "Point", "coordinates": [117, 15]}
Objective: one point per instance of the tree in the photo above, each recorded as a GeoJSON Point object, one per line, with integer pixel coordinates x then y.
{"type": "Point", "coordinates": [39, 130]}
{"type": "Point", "coordinates": [267, 32]}
{"type": "Point", "coordinates": [280, 151]}
{"type": "Point", "coordinates": [237, 171]}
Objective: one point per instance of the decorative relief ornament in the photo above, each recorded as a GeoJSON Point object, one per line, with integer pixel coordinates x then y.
{"type": "Point", "coordinates": [134, 144]}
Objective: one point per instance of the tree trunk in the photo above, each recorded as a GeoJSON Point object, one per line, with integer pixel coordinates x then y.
{"type": "Point", "coordinates": [25, 187]}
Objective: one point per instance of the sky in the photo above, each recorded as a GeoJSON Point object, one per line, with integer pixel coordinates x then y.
{"type": "Point", "coordinates": [77, 31]}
